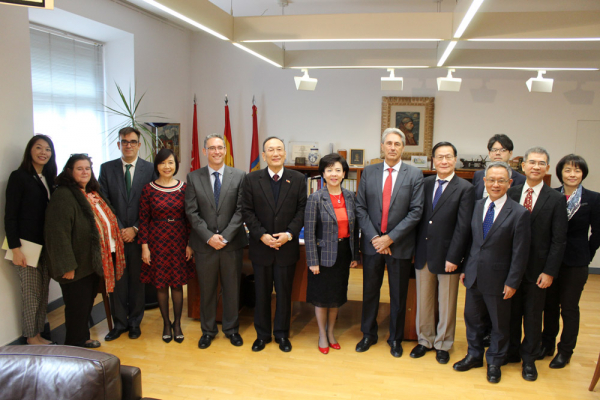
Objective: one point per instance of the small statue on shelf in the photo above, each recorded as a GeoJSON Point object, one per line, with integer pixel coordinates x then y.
{"type": "Point", "coordinates": [474, 164]}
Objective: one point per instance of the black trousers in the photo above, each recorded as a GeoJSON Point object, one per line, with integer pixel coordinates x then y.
{"type": "Point", "coordinates": [563, 298]}
{"type": "Point", "coordinates": [79, 299]}
{"type": "Point", "coordinates": [398, 277]}
{"type": "Point", "coordinates": [526, 311]}
{"type": "Point", "coordinates": [477, 307]}
{"type": "Point", "coordinates": [265, 276]}
{"type": "Point", "coordinates": [127, 302]}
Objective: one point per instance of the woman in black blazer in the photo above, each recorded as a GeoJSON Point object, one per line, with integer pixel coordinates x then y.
{"type": "Point", "coordinates": [27, 194]}
{"type": "Point", "coordinates": [583, 209]}
{"type": "Point", "coordinates": [331, 240]}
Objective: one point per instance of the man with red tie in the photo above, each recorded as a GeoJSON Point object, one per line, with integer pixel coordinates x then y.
{"type": "Point", "coordinates": [389, 205]}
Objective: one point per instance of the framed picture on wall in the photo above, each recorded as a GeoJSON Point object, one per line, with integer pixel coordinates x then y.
{"type": "Point", "coordinates": [47, 4]}
{"type": "Point", "coordinates": [414, 117]}
{"type": "Point", "coordinates": [169, 136]}
{"type": "Point", "coordinates": [357, 157]}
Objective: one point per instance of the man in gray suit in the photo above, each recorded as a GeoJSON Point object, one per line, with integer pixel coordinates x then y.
{"type": "Point", "coordinates": [122, 181]}
{"type": "Point", "coordinates": [389, 207]}
{"type": "Point", "coordinates": [493, 270]}
{"type": "Point", "coordinates": [213, 204]}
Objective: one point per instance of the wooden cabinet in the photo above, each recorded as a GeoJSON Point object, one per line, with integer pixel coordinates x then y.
{"type": "Point", "coordinates": [314, 171]}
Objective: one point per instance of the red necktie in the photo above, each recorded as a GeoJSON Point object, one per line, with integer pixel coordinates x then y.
{"type": "Point", "coordinates": [387, 197]}
{"type": "Point", "coordinates": [528, 200]}
{"type": "Point", "coordinates": [275, 177]}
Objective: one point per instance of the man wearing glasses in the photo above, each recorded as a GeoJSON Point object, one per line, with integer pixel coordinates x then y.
{"type": "Point", "coordinates": [122, 181]}
{"type": "Point", "coordinates": [549, 224]}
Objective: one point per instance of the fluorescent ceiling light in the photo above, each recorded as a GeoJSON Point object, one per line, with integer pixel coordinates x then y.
{"type": "Point", "coordinates": [467, 18]}
{"type": "Point", "coordinates": [341, 40]}
{"type": "Point", "coordinates": [305, 82]}
{"type": "Point", "coordinates": [391, 82]}
{"type": "Point", "coordinates": [528, 69]}
{"type": "Point", "coordinates": [186, 19]}
{"type": "Point", "coordinates": [257, 55]}
{"type": "Point", "coordinates": [449, 84]}
{"type": "Point", "coordinates": [446, 53]}
{"type": "Point", "coordinates": [540, 84]}
{"type": "Point", "coordinates": [362, 67]}
{"type": "Point", "coordinates": [590, 39]}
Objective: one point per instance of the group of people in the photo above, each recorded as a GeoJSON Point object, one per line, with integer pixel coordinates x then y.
{"type": "Point", "coordinates": [521, 248]}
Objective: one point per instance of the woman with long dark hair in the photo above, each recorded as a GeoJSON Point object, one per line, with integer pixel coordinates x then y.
{"type": "Point", "coordinates": [27, 195]}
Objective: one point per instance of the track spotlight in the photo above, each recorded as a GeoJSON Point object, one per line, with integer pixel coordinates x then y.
{"type": "Point", "coordinates": [391, 82]}
{"type": "Point", "coordinates": [305, 82]}
{"type": "Point", "coordinates": [449, 84]}
{"type": "Point", "coordinates": [540, 84]}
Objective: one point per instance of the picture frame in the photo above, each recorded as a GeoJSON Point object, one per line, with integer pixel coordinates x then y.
{"type": "Point", "coordinates": [419, 161]}
{"type": "Point", "coordinates": [357, 158]}
{"type": "Point", "coordinates": [169, 136]}
{"type": "Point", "coordinates": [414, 117]}
{"type": "Point", "coordinates": [296, 149]}
{"type": "Point", "coordinates": [45, 4]}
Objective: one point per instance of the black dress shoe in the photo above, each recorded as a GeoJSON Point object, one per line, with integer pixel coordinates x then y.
{"type": "Point", "coordinates": [419, 351]}
{"type": "Point", "coordinates": [259, 344]}
{"type": "Point", "coordinates": [544, 352]}
{"type": "Point", "coordinates": [467, 363]}
{"type": "Point", "coordinates": [364, 344]}
{"type": "Point", "coordinates": [396, 350]}
{"type": "Point", "coordinates": [529, 371]}
{"type": "Point", "coordinates": [114, 334]}
{"type": "Point", "coordinates": [486, 341]}
{"type": "Point", "coordinates": [284, 344]}
{"type": "Point", "coordinates": [205, 341]}
{"type": "Point", "coordinates": [135, 332]}
{"type": "Point", "coordinates": [560, 361]}
{"type": "Point", "coordinates": [235, 339]}
{"type": "Point", "coordinates": [442, 356]}
{"type": "Point", "coordinates": [493, 374]}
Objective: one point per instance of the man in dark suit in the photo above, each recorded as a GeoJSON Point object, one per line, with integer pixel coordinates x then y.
{"type": "Point", "coordinates": [122, 181]}
{"type": "Point", "coordinates": [273, 209]}
{"type": "Point", "coordinates": [500, 148]}
{"type": "Point", "coordinates": [443, 237]}
{"type": "Point", "coordinates": [389, 205]}
{"type": "Point", "coordinates": [549, 224]}
{"type": "Point", "coordinates": [493, 270]}
{"type": "Point", "coordinates": [213, 204]}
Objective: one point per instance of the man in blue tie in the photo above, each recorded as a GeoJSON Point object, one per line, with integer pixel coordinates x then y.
{"type": "Point", "coordinates": [493, 270]}
{"type": "Point", "coordinates": [443, 238]}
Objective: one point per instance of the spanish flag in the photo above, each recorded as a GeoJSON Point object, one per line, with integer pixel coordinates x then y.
{"type": "Point", "coordinates": [254, 154]}
{"type": "Point", "coordinates": [195, 152]}
{"type": "Point", "coordinates": [227, 136]}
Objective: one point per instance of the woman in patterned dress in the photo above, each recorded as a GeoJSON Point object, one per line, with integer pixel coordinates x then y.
{"type": "Point", "coordinates": [163, 233]}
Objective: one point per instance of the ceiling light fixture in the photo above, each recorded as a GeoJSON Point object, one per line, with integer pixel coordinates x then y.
{"type": "Point", "coordinates": [525, 69]}
{"type": "Point", "coordinates": [257, 55]}
{"type": "Point", "coordinates": [362, 67]}
{"type": "Point", "coordinates": [449, 84]}
{"type": "Point", "coordinates": [449, 49]}
{"type": "Point", "coordinates": [391, 82]}
{"type": "Point", "coordinates": [341, 40]}
{"type": "Point", "coordinates": [467, 18]}
{"type": "Point", "coordinates": [589, 39]}
{"type": "Point", "coordinates": [540, 84]}
{"type": "Point", "coordinates": [186, 19]}
{"type": "Point", "coordinates": [305, 82]}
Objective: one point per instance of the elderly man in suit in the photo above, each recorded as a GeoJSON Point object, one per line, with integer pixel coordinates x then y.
{"type": "Point", "coordinates": [493, 270]}
{"type": "Point", "coordinates": [443, 238]}
{"type": "Point", "coordinates": [389, 206]}
{"type": "Point", "coordinates": [122, 181]}
{"type": "Point", "coordinates": [273, 208]}
{"type": "Point", "coordinates": [213, 205]}
{"type": "Point", "coordinates": [549, 223]}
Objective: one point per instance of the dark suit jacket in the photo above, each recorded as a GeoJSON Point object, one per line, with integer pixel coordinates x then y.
{"type": "Point", "coordinates": [112, 182]}
{"type": "Point", "coordinates": [518, 179]}
{"type": "Point", "coordinates": [206, 219]}
{"type": "Point", "coordinates": [581, 247]}
{"type": "Point", "coordinates": [262, 215]}
{"type": "Point", "coordinates": [444, 234]}
{"type": "Point", "coordinates": [548, 232]}
{"type": "Point", "coordinates": [406, 207]}
{"type": "Point", "coordinates": [25, 210]}
{"type": "Point", "coordinates": [501, 258]}
{"type": "Point", "coordinates": [321, 228]}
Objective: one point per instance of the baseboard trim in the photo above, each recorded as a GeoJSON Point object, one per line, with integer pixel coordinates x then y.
{"type": "Point", "coordinates": [595, 270]}
{"type": "Point", "coordinates": [53, 305]}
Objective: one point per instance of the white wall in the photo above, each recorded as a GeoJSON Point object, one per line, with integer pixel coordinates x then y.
{"type": "Point", "coordinates": [16, 114]}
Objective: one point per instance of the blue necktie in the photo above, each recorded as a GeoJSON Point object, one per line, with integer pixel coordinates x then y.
{"type": "Point", "coordinates": [488, 221]}
{"type": "Point", "coordinates": [438, 192]}
{"type": "Point", "coordinates": [217, 188]}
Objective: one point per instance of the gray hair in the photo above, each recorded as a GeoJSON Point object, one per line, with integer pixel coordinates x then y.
{"type": "Point", "coordinates": [537, 150]}
{"type": "Point", "coordinates": [398, 132]}
{"type": "Point", "coordinates": [212, 136]}
{"type": "Point", "coordinates": [497, 164]}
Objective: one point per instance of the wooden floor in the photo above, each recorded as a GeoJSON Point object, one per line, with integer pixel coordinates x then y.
{"type": "Point", "coordinates": [182, 371]}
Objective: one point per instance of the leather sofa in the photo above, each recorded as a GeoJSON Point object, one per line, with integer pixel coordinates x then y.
{"type": "Point", "coordinates": [65, 372]}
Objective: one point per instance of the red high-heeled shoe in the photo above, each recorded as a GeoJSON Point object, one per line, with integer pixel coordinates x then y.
{"type": "Point", "coordinates": [324, 350]}
{"type": "Point", "coordinates": [335, 346]}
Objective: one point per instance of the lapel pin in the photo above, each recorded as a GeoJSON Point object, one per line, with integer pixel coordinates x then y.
{"type": "Point", "coordinates": [287, 180]}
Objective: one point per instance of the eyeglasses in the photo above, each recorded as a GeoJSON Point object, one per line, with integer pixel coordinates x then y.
{"type": "Point", "coordinates": [499, 181]}
{"type": "Point", "coordinates": [215, 148]}
{"type": "Point", "coordinates": [500, 150]}
{"type": "Point", "coordinates": [126, 143]}
{"type": "Point", "coordinates": [533, 163]}
{"type": "Point", "coordinates": [448, 157]}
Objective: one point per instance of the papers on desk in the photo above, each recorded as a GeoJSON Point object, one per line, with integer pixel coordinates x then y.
{"type": "Point", "coordinates": [30, 250]}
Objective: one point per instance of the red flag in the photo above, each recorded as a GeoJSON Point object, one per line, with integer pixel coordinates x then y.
{"type": "Point", "coordinates": [254, 158]}
{"type": "Point", "coordinates": [227, 135]}
{"type": "Point", "coordinates": [195, 152]}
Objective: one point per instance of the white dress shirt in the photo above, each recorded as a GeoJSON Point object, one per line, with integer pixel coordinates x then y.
{"type": "Point", "coordinates": [394, 173]}
{"type": "Point", "coordinates": [498, 204]}
{"type": "Point", "coordinates": [437, 183]}
{"type": "Point", "coordinates": [271, 173]}
{"type": "Point", "coordinates": [212, 177]}
{"type": "Point", "coordinates": [534, 196]}
{"type": "Point", "coordinates": [45, 182]}
{"type": "Point", "coordinates": [131, 169]}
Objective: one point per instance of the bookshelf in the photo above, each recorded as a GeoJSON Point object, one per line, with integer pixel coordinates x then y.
{"type": "Point", "coordinates": [312, 171]}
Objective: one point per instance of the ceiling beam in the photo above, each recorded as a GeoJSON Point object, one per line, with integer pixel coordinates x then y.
{"type": "Point", "coordinates": [526, 59]}
{"type": "Point", "coordinates": [360, 59]}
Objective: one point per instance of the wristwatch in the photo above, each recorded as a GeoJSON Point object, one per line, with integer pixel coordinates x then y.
{"type": "Point", "coordinates": [289, 236]}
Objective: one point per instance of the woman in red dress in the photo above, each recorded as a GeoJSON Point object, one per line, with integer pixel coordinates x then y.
{"type": "Point", "coordinates": [163, 233]}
